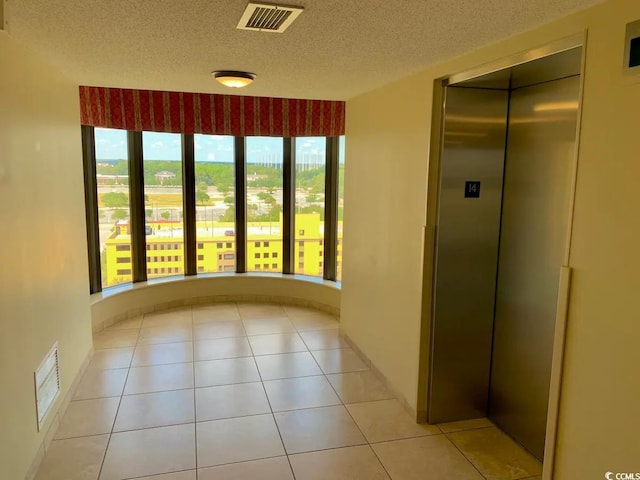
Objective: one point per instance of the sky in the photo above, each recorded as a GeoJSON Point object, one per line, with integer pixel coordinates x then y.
{"type": "Point", "coordinates": [112, 145]}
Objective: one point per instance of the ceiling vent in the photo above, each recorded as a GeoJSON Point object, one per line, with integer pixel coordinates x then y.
{"type": "Point", "coordinates": [266, 17]}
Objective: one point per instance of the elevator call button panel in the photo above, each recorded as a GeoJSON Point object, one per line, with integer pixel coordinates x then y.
{"type": "Point", "coordinates": [471, 189]}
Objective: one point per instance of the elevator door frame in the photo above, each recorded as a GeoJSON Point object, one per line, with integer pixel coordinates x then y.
{"type": "Point", "coordinates": [429, 234]}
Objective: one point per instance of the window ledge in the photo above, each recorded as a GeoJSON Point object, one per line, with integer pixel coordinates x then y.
{"type": "Point", "coordinates": [129, 300]}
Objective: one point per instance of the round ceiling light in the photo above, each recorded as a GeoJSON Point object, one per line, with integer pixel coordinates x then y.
{"type": "Point", "coordinates": [233, 79]}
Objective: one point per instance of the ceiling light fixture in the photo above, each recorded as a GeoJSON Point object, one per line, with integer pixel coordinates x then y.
{"type": "Point", "coordinates": [233, 79]}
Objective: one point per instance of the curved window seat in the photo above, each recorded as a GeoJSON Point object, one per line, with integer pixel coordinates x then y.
{"type": "Point", "coordinates": [130, 300]}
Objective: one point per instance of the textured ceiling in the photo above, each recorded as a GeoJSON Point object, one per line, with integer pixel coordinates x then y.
{"type": "Point", "coordinates": [336, 49]}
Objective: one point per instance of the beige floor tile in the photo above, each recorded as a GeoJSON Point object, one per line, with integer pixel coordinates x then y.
{"type": "Point", "coordinates": [277, 343]}
{"type": "Point", "coordinates": [222, 348]}
{"type": "Point", "coordinates": [357, 387]}
{"type": "Point", "coordinates": [112, 358]}
{"type": "Point", "coordinates": [226, 401]}
{"type": "Point", "coordinates": [353, 463]}
{"type": "Point", "coordinates": [276, 468]}
{"type": "Point", "coordinates": [158, 378]}
{"type": "Point", "coordinates": [175, 317]}
{"type": "Point", "coordinates": [165, 334]}
{"type": "Point", "coordinates": [387, 420]}
{"type": "Point", "coordinates": [267, 326]}
{"type": "Point", "coordinates": [324, 339]}
{"type": "Point", "coordinates": [74, 459]}
{"type": "Point", "coordinates": [226, 372]}
{"type": "Point", "coordinates": [237, 440]}
{"type": "Point", "coordinates": [88, 417]}
{"type": "Point", "coordinates": [339, 361]}
{"type": "Point", "coordinates": [318, 429]}
{"type": "Point", "coordinates": [495, 454]}
{"type": "Point", "coordinates": [149, 452]}
{"type": "Point", "coordinates": [101, 383]}
{"type": "Point", "coordinates": [129, 323]}
{"type": "Point", "coordinates": [162, 354]}
{"type": "Point", "coordinates": [425, 458]}
{"type": "Point", "coordinates": [260, 310]}
{"type": "Point", "coordinates": [155, 410]}
{"type": "Point", "coordinates": [217, 312]}
{"type": "Point", "coordinates": [287, 365]}
{"type": "Point", "coordinates": [296, 393]}
{"type": "Point", "coordinates": [463, 425]}
{"type": "Point", "coordinates": [115, 338]}
{"type": "Point", "coordinates": [318, 321]}
{"type": "Point", "coordinates": [188, 475]}
{"type": "Point", "coordinates": [220, 329]}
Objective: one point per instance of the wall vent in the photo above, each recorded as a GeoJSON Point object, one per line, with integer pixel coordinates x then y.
{"type": "Point", "coordinates": [47, 382]}
{"type": "Point", "coordinates": [266, 17]}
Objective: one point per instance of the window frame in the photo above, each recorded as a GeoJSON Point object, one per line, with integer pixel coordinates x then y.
{"type": "Point", "coordinates": [139, 247]}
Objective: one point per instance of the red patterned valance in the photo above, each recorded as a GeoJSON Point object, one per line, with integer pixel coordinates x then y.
{"type": "Point", "coordinates": [177, 112]}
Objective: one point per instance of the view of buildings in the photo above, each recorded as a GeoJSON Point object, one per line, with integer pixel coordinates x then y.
{"type": "Point", "coordinates": [215, 205]}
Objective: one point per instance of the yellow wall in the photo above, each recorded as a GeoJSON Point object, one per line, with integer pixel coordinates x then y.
{"type": "Point", "coordinates": [43, 278]}
{"type": "Point", "coordinates": [387, 151]}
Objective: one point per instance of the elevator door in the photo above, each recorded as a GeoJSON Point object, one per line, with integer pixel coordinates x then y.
{"type": "Point", "coordinates": [535, 212]}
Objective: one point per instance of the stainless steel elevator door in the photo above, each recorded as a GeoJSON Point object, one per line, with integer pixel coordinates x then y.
{"type": "Point", "coordinates": [535, 212]}
{"type": "Point", "coordinates": [467, 253]}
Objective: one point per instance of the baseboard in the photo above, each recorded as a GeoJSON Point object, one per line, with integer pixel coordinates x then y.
{"type": "Point", "coordinates": [57, 418]}
{"type": "Point", "coordinates": [419, 416]}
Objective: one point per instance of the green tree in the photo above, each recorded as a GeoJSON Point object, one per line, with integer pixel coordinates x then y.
{"type": "Point", "coordinates": [229, 215]}
{"type": "Point", "coordinates": [115, 200]}
{"type": "Point", "coordinates": [229, 200]}
{"type": "Point", "coordinates": [148, 213]}
{"type": "Point", "coordinates": [266, 198]}
{"type": "Point", "coordinates": [119, 214]}
{"type": "Point", "coordinates": [201, 193]}
{"type": "Point", "coordinates": [165, 215]}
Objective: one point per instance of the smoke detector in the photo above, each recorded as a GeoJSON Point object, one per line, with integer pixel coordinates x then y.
{"type": "Point", "coordinates": [267, 17]}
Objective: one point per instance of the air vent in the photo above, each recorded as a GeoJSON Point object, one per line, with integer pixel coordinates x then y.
{"type": "Point", "coordinates": [266, 17]}
{"type": "Point", "coordinates": [47, 380]}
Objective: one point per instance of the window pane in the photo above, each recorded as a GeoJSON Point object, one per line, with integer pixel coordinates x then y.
{"type": "Point", "coordinates": [215, 203]}
{"type": "Point", "coordinates": [162, 160]}
{"type": "Point", "coordinates": [309, 227]}
{"type": "Point", "coordinates": [264, 200]}
{"type": "Point", "coordinates": [112, 178]}
{"type": "Point", "coordinates": [341, 148]}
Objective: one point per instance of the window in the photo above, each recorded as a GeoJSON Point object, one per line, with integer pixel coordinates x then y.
{"type": "Point", "coordinates": [310, 178]}
{"type": "Point", "coordinates": [340, 216]}
{"type": "Point", "coordinates": [215, 194]}
{"type": "Point", "coordinates": [264, 160]}
{"type": "Point", "coordinates": [112, 179]}
{"type": "Point", "coordinates": [214, 207]}
{"type": "Point", "coordinates": [162, 164]}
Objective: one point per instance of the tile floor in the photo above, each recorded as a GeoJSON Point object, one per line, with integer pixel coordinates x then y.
{"type": "Point", "coordinates": [251, 391]}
